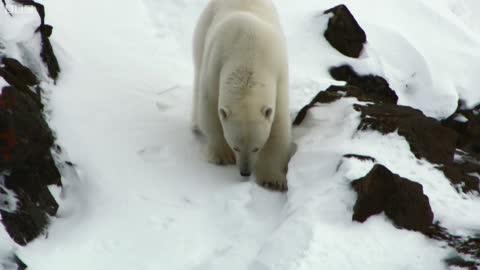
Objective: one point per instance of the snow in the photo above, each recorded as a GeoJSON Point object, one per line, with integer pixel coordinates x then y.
{"type": "Point", "coordinates": [18, 38]}
{"type": "Point", "coordinates": [143, 197]}
{"type": "Point", "coordinates": [21, 25]}
{"type": "Point", "coordinates": [3, 83]}
{"type": "Point", "coordinates": [461, 118]}
{"type": "Point", "coordinates": [16, 29]}
{"type": "Point", "coordinates": [8, 203]}
{"type": "Point", "coordinates": [465, 11]}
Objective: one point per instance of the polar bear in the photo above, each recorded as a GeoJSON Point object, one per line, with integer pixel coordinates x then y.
{"type": "Point", "coordinates": [241, 89]}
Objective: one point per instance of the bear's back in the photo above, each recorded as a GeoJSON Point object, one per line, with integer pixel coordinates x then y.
{"type": "Point", "coordinates": [263, 9]}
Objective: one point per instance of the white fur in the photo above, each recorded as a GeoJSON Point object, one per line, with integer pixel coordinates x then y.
{"type": "Point", "coordinates": [241, 88]}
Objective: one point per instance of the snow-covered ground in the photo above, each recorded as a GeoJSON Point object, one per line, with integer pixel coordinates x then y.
{"type": "Point", "coordinates": [144, 198]}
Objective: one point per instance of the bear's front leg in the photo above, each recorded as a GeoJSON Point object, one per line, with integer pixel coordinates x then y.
{"type": "Point", "coordinates": [271, 167]}
{"type": "Point", "coordinates": [218, 152]}
{"type": "Point", "coordinates": [270, 177]}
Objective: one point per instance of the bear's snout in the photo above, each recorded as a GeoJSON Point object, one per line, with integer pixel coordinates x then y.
{"type": "Point", "coordinates": [244, 166]}
{"type": "Point", "coordinates": [245, 174]}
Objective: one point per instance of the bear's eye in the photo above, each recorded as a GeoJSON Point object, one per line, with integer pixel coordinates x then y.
{"type": "Point", "coordinates": [236, 149]}
{"type": "Point", "coordinates": [255, 149]}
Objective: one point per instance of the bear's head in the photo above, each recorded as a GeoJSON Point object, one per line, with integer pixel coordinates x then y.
{"type": "Point", "coordinates": [246, 130]}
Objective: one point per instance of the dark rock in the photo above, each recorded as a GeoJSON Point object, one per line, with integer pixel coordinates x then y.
{"type": "Point", "coordinates": [27, 223]}
{"type": "Point", "coordinates": [360, 157]}
{"type": "Point", "coordinates": [39, 7]}
{"type": "Point", "coordinates": [344, 33]}
{"type": "Point", "coordinates": [468, 128]}
{"type": "Point", "coordinates": [469, 247]}
{"type": "Point", "coordinates": [372, 88]}
{"type": "Point", "coordinates": [12, 263]}
{"type": "Point", "coordinates": [461, 263]}
{"type": "Point", "coordinates": [369, 88]}
{"type": "Point", "coordinates": [343, 73]}
{"type": "Point", "coordinates": [33, 185]}
{"type": "Point", "coordinates": [47, 30]}
{"type": "Point", "coordinates": [20, 264]}
{"type": "Point", "coordinates": [466, 122]}
{"type": "Point", "coordinates": [426, 136]}
{"type": "Point", "coordinates": [330, 95]}
{"type": "Point", "coordinates": [370, 93]}
{"type": "Point", "coordinates": [20, 86]}
{"type": "Point", "coordinates": [355, 156]}
{"type": "Point", "coordinates": [47, 54]}
{"type": "Point", "coordinates": [19, 71]}
{"type": "Point", "coordinates": [469, 164]}
{"type": "Point", "coordinates": [409, 207]}
{"type": "Point", "coordinates": [461, 177]}
{"type": "Point", "coordinates": [6, 9]}
{"type": "Point", "coordinates": [402, 200]}
{"type": "Point", "coordinates": [32, 135]}
{"type": "Point", "coordinates": [26, 162]}
{"type": "Point", "coordinates": [2, 49]}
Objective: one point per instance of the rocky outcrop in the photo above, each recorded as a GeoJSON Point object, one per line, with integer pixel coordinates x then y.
{"type": "Point", "coordinates": [426, 136]}
{"type": "Point", "coordinates": [26, 162]}
{"type": "Point", "coordinates": [27, 166]}
{"type": "Point", "coordinates": [360, 157]}
{"type": "Point", "coordinates": [402, 200]}
{"type": "Point", "coordinates": [467, 247]}
{"type": "Point", "coordinates": [428, 139]}
{"type": "Point", "coordinates": [369, 88]}
{"type": "Point", "coordinates": [451, 145]}
{"type": "Point", "coordinates": [466, 122]}
{"type": "Point", "coordinates": [344, 33]}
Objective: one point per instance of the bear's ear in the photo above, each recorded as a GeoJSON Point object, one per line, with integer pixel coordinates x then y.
{"type": "Point", "coordinates": [224, 113]}
{"type": "Point", "coordinates": [267, 112]}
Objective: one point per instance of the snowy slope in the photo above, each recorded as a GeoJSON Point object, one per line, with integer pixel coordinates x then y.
{"type": "Point", "coordinates": [143, 196]}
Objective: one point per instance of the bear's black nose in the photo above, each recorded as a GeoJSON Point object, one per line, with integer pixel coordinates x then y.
{"type": "Point", "coordinates": [245, 174]}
